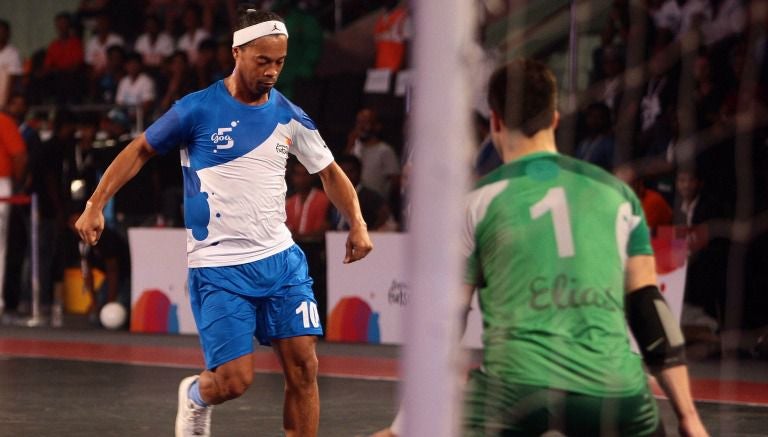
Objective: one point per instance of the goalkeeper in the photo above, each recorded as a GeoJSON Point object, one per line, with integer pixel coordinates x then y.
{"type": "Point", "coordinates": [560, 254]}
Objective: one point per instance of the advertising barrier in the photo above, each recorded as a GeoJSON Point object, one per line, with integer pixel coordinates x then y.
{"type": "Point", "coordinates": [159, 298]}
{"type": "Point", "coordinates": [366, 299]}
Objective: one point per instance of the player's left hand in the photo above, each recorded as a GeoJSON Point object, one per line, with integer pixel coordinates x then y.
{"type": "Point", "coordinates": [358, 244]}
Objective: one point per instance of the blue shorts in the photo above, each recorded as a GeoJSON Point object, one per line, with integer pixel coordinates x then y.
{"type": "Point", "coordinates": [268, 299]}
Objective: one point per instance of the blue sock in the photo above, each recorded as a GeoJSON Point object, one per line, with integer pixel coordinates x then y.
{"type": "Point", "coordinates": [194, 394]}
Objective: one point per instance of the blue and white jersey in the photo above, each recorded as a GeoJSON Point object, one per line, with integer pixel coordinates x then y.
{"type": "Point", "coordinates": [233, 158]}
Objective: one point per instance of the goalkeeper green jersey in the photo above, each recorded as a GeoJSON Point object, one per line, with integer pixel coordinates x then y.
{"type": "Point", "coordinates": [546, 238]}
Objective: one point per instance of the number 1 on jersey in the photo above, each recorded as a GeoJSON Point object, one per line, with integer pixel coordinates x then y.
{"type": "Point", "coordinates": [554, 201]}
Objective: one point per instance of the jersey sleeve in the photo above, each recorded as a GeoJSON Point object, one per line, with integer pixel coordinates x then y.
{"type": "Point", "coordinates": [168, 131]}
{"type": "Point", "coordinates": [309, 147]}
{"type": "Point", "coordinates": [639, 237]}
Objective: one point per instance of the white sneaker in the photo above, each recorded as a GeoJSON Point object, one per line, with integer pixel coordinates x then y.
{"type": "Point", "coordinates": [191, 419]}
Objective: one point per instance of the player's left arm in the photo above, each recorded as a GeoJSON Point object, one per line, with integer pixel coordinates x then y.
{"type": "Point", "coordinates": [343, 195]}
{"type": "Point", "coordinates": [660, 340]}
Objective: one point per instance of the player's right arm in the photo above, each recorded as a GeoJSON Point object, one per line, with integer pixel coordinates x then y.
{"type": "Point", "coordinates": [125, 166]}
{"type": "Point", "coordinates": [660, 340]}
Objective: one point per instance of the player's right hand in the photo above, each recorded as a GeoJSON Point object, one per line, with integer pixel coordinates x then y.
{"type": "Point", "coordinates": [90, 225]}
{"type": "Point", "coordinates": [358, 244]}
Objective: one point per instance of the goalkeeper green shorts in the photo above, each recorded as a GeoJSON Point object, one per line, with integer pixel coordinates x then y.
{"type": "Point", "coordinates": [495, 408]}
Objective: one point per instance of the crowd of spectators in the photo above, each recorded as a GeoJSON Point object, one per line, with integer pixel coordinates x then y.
{"type": "Point", "coordinates": [675, 108]}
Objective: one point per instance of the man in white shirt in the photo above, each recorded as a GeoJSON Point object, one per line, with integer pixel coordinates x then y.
{"type": "Point", "coordinates": [154, 45]}
{"type": "Point", "coordinates": [194, 33]}
{"type": "Point", "coordinates": [10, 61]}
{"type": "Point", "coordinates": [381, 168]}
{"type": "Point", "coordinates": [135, 88]}
{"type": "Point", "coordinates": [96, 48]}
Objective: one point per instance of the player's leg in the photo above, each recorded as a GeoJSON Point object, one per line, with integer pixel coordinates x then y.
{"type": "Point", "coordinates": [226, 323]}
{"type": "Point", "coordinates": [288, 319]}
{"type": "Point", "coordinates": [301, 408]}
{"type": "Point", "coordinates": [227, 381]}
{"type": "Point", "coordinates": [494, 407]}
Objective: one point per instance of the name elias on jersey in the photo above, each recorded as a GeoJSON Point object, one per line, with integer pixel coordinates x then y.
{"type": "Point", "coordinates": [222, 136]}
{"type": "Point", "coordinates": [563, 292]}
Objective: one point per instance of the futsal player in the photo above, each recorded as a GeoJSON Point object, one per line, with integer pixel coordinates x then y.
{"type": "Point", "coordinates": [246, 276]}
{"type": "Point", "coordinates": [560, 254]}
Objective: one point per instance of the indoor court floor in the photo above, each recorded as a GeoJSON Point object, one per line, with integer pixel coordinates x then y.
{"type": "Point", "coordinates": [80, 381]}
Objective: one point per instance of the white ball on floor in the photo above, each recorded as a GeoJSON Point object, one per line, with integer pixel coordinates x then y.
{"type": "Point", "coordinates": [113, 315]}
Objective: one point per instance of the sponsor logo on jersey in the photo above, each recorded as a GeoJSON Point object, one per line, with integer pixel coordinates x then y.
{"type": "Point", "coordinates": [222, 139]}
{"type": "Point", "coordinates": [282, 149]}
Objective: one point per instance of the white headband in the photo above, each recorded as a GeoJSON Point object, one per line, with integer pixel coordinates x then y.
{"type": "Point", "coordinates": [250, 33]}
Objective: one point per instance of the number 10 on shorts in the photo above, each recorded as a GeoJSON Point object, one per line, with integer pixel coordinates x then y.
{"type": "Point", "coordinates": [308, 311]}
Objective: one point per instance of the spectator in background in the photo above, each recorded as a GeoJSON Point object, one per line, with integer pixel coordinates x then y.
{"type": "Point", "coordinates": [307, 209]}
{"type": "Point", "coordinates": [13, 162]}
{"type": "Point", "coordinates": [610, 85]}
{"type": "Point", "coordinates": [180, 80]}
{"type": "Point", "coordinates": [17, 108]}
{"type": "Point", "coordinates": [665, 15]}
{"type": "Point", "coordinates": [613, 38]}
{"type": "Point", "coordinates": [154, 44]}
{"type": "Point", "coordinates": [661, 87]}
{"type": "Point", "coordinates": [599, 143]}
{"type": "Point", "coordinates": [698, 211]}
{"type": "Point", "coordinates": [136, 88]}
{"type": "Point", "coordinates": [708, 96]}
{"type": "Point", "coordinates": [688, 186]}
{"type": "Point", "coordinates": [105, 84]}
{"type": "Point", "coordinates": [374, 207]}
{"type": "Point", "coordinates": [49, 170]}
{"type": "Point", "coordinates": [729, 18]}
{"type": "Point", "coordinates": [224, 60]}
{"type": "Point", "coordinates": [34, 84]}
{"type": "Point", "coordinates": [10, 61]}
{"type": "Point", "coordinates": [17, 265]}
{"type": "Point", "coordinates": [82, 165]}
{"type": "Point", "coordinates": [126, 16]}
{"type": "Point", "coordinates": [97, 45]}
{"type": "Point", "coordinates": [63, 62]}
{"type": "Point", "coordinates": [168, 11]}
{"type": "Point", "coordinates": [137, 202]}
{"type": "Point", "coordinates": [205, 65]}
{"type": "Point", "coordinates": [381, 168]}
{"type": "Point", "coordinates": [306, 44]}
{"type": "Point", "coordinates": [617, 29]}
{"type": "Point", "coordinates": [194, 32]}
{"type": "Point", "coordinates": [44, 179]}
{"type": "Point", "coordinates": [487, 158]}
{"type": "Point", "coordinates": [392, 33]}
{"type": "Point", "coordinates": [657, 210]}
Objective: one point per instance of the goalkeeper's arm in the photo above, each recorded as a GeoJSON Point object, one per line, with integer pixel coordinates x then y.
{"type": "Point", "coordinates": [660, 340]}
